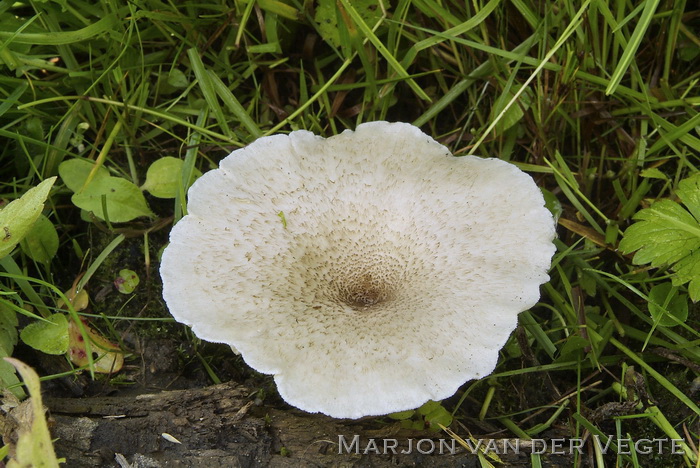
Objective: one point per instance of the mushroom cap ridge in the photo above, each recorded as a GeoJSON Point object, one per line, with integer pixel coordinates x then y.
{"type": "Point", "coordinates": [368, 272]}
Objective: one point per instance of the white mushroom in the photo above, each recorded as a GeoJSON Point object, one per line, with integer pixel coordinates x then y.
{"type": "Point", "coordinates": [368, 272]}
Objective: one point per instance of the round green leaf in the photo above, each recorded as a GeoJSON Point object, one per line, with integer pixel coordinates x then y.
{"type": "Point", "coordinates": [327, 17]}
{"type": "Point", "coordinates": [400, 415]}
{"type": "Point", "coordinates": [666, 296]}
{"type": "Point", "coordinates": [688, 51]}
{"type": "Point", "coordinates": [8, 377]}
{"type": "Point", "coordinates": [41, 242]}
{"type": "Point", "coordinates": [177, 79]}
{"type": "Point", "coordinates": [50, 337]}
{"type": "Point", "coordinates": [428, 407]}
{"type": "Point", "coordinates": [18, 217]}
{"type": "Point", "coordinates": [127, 281]}
{"type": "Point", "coordinates": [163, 177]}
{"type": "Point", "coordinates": [653, 173]}
{"type": "Point", "coordinates": [438, 416]}
{"type": "Point", "coordinates": [572, 349]}
{"type": "Point", "coordinates": [551, 202]}
{"type": "Point", "coordinates": [8, 329]}
{"type": "Point", "coordinates": [123, 200]}
{"type": "Point", "coordinates": [172, 81]}
{"type": "Point", "coordinates": [74, 173]}
{"type": "Point", "coordinates": [515, 112]}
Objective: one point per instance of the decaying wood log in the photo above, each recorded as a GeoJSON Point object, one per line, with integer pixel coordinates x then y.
{"type": "Point", "coordinates": [220, 426]}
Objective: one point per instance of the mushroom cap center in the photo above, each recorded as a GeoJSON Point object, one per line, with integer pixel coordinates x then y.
{"type": "Point", "coordinates": [365, 290]}
{"type": "Point", "coordinates": [360, 276]}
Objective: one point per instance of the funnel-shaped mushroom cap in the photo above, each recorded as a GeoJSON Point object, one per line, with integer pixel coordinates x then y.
{"type": "Point", "coordinates": [369, 272]}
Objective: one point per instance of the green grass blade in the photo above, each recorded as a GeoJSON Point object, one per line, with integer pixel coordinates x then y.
{"type": "Point", "coordinates": [10, 100]}
{"type": "Point", "coordinates": [536, 330]}
{"type": "Point", "coordinates": [381, 48]}
{"type": "Point", "coordinates": [234, 105]}
{"type": "Point", "coordinates": [104, 25]}
{"type": "Point", "coordinates": [468, 25]}
{"type": "Point", "coordinates": [208, 91]}
{"type": "Point", "coordinates": [659, 378]}
{"type": "Point", "coordinates": [570, 28]}
{"type": "Point", "coordinates": [98, 261]}
{"type": "Point", "coordinates": [632, 45]}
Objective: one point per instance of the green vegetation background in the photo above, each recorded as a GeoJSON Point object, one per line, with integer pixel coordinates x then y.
{"type": "Point", "coordinates": [597, 100]}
